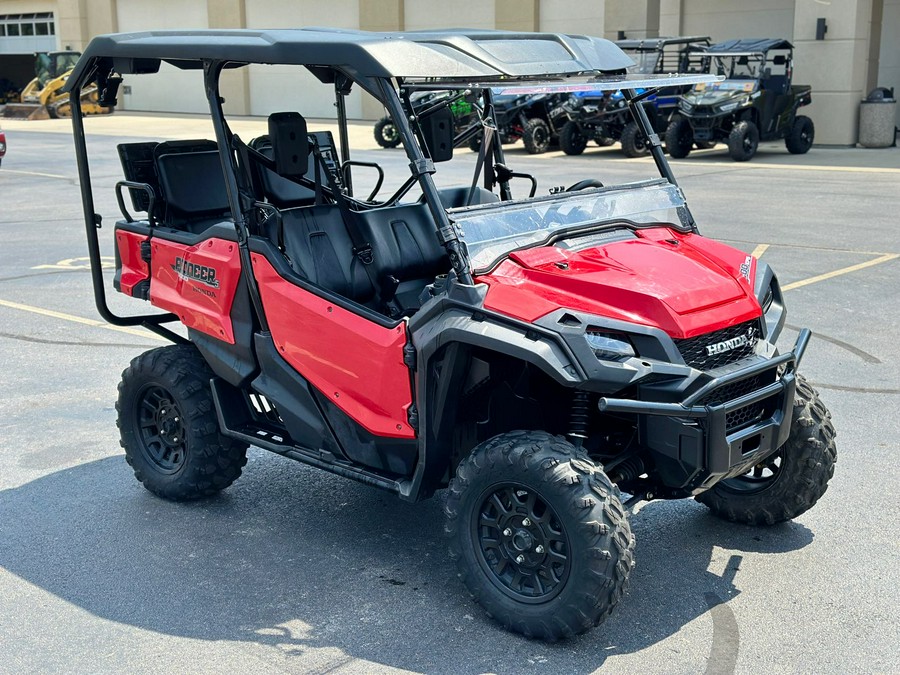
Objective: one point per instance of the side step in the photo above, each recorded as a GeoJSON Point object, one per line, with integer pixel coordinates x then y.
{"type": "Point", "coordinates": [279, 443]}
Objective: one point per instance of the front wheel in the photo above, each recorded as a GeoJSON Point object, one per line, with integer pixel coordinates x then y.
{"type": "Point", "coordinates": [743, 141]}
{"type": "Point", "coordinates": [169, 429]}
{"type": "Point", "coordinates": [536, 136]}
{"type": "Point", "coordinates": [679, 138]}
{"type": "Point", "coordinates": [634, 143]}
{"type": "Point", "coordinates": [572, 139]}
{"type": "Point", "coordinates": [790, 481]}
{"type": "Point", "coordinates": [538, 534]}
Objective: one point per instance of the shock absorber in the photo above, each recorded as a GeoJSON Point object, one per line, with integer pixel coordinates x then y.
{"type": "Point", "coordinates": [578, 418]}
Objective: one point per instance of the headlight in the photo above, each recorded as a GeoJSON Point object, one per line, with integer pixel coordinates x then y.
{"type": "Point", "coordinates": [727, 107]}
{"type": "Point", "coordinates": [684, 105]}
{"type": "Point", "coordinates": [609, 346]}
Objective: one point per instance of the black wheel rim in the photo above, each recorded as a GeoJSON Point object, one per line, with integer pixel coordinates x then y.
{"type": "Point", "coordinates": [749, 143]}
{"type": "Point", "coordinates": [161, 429]}
{"type": "Point", "coordinates": [640, 143]}
{"type": "Point", "coordinates": [389, 132]}
{"type": "Point", "coordinates": [521, 543]}
{"type": "Point", "coordinates": [760, 477]}
{"type": "Point", "coordinates": [541, 137]}
{"type": "Point", "coordinates": [579, 140]}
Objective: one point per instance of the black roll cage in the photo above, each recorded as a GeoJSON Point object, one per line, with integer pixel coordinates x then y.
{"type": "Point", "coordinates": [391, 92]}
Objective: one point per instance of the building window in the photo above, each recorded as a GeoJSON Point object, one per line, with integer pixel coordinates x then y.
{"type": "Point", "coordinates": [40, 24]}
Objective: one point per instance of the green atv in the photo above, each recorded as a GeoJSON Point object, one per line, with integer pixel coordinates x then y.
{"type": "Point", "coordinates": [756, 102]}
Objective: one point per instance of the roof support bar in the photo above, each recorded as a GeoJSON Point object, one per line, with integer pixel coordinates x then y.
{"type": "Point", "coordinates": [92, 223]}
{"type": "Point", "coordinates": [211, 71]}
{"type": "Point", "coordinates": [455, 249]}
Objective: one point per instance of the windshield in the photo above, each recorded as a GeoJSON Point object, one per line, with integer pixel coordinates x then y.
{"type": "Point", "coordinates": [492, 231]}
{"type": "Point", "coordinates": [644, 61]}
{"type": "Point", "coordinates": [745, 66]}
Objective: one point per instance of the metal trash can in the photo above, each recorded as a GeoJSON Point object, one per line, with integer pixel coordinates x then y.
{"type": "Point", "coordinates": [877, 116]}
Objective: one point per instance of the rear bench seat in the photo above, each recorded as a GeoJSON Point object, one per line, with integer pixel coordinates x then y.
{"type": "Point", "coordinates": [186, 179]}
{"type": "Point", "coordinates": [191, 185]}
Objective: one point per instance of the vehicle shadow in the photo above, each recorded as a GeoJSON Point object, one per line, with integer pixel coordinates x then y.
{"type": "Point", "coordinates": [301, 560]}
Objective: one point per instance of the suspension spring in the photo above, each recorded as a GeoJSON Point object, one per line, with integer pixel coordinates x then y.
{"type": "Point", "coordinates": [578, 418]}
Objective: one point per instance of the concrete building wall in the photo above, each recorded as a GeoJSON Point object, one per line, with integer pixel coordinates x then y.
{"type": "Point", "coordinates": [860, 50]}
{"type": "Point", "coordinates": [889, 53]}
{"type": "Point", "coordinates": [424, 14]}
{"type": "Point", "coordinates": [572, 16]}
{"type": "Point", "coordinates": [172, 89]}
{"type": "Point", "coordinates": [836, 67]}
{"type": "Point", "coordinates": [277, 88]}
{"type": "Point", "coordinates": [726, 19]}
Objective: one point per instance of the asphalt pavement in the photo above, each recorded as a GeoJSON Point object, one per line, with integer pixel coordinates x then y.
{"type": "Point", "coordinates": [295, 570]}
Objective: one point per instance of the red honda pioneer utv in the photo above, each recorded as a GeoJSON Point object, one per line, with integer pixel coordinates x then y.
{"type": "Point", "coordinates": [537, 355]}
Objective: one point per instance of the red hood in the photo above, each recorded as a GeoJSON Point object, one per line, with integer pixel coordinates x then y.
{"type": "Point", "coordinates": [684, 284]}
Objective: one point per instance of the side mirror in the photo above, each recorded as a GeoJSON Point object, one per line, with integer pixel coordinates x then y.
{"type": "Point", "coordinates": [437, 129]}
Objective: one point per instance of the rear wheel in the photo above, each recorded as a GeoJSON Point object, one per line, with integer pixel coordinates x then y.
{"type": "Point", "coordinates": [743, 141]}
{"type": "Point", "coordinates": [538, 534]}
{"type": "Point", "coordinates": [572, 139]}
{"type": "Point", "coordinates": [634, 143]}
{"type": "Point", "coordinates": [679, 138]}
{"type": "Point", "coordinates": [789, 482]}
{"type": "Point", "coordinates": [169, 428]}
{"type": "Point", "coordinates": [386, 134]}
{"type": "Point", "coordinates": [800, 138]}
{"type": "Point", "coordinates": [536, 136]}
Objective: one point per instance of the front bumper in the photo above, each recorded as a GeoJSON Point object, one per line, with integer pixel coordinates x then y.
{"type": "Point", "coordinates": [696, 443]}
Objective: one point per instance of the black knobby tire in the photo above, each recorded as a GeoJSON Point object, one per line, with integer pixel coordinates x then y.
{"type": "Point", "coordinates": [536, 136]}
{"type": "Point", "coordinates": [634, 143]}
{"type": "Point", "coordinates": [679, 138]}
{"type": "Point", "coordinates": [475, 143]}
{"type": "Point", "coordinates": [386, 134]}
{"type": "Point", "coordinates": [800, 138]}
{"type": "Point", "coordinates": [538, 534]}
{"type": "Point", "coordinates": [789, 482]}
{"type": "Point", "coordinates": [743, 141]}
{"type": "Point", "coordinates": [572, 139]}
{"type": "Point", "coordinates": [168, 426]}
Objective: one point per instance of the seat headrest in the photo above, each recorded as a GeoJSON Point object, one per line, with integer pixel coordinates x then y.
{"type": "Point", "coordinates": [290, 145]}
{"type": "Point", "coordinates": [193, 182]}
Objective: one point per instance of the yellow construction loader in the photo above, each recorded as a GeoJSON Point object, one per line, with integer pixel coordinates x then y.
{"type": "Point", "coordinates": [43, 97]}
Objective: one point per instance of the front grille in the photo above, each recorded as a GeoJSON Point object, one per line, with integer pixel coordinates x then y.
{"type": "Point", "coordinates": [749, 413]}
{"type": "Point", "coordinates": [696, 354]}
{"type": "Point", "coordinates": [744, 416]}
{"type": "Point", "coordinates": [732, 391]}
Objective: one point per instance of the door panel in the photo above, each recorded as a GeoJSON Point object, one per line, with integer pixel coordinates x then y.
{"type": "Point", "coordinates": [356, 363]}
